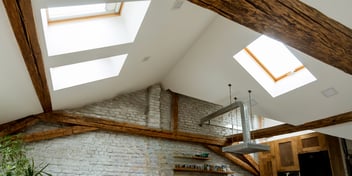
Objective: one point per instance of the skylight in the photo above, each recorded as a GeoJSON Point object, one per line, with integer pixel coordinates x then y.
{"type": "Point", "coordinates": [86, 72]}
{"type": "Point", "coordinates": [80, 11]}
{"type": "Point", "coordinates": [273, 66]}
{"type": "Point", "coordinates": [68, 29]}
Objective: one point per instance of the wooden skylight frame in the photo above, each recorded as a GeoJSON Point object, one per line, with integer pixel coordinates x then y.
{"type": "Point", "coordinates": [117, 12]}
{"type": "Point", "coordinates": [267, 71]}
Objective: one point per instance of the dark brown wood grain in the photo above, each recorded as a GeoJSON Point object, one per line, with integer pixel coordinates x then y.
{"type": "Point", "coordinates": [55, 133]}
{"type": "Point", "coordinates": [287, 128]}
{"type": "Point", "coordinates": [21, 18]}
{"type": "Point", "coordinates": [252, 162]}
{"type": "Point", "coordinates": [233, 159]}
{"type": "Point", "coordinates": [294, 23]}
{"type": "Point", "coordinates": [17, 125]}
{"type": "Point", "coordinates": [114, 126]}
{"type": "Point", "coordinates": [336, 158]}
{"type": "Point", "coordinates": [174, 107]}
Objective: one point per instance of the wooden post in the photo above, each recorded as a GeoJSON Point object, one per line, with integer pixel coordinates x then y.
{"type": "Point", "coordinates": [174, 107]}
{"type": "Point", "coordinates": [22, 21]}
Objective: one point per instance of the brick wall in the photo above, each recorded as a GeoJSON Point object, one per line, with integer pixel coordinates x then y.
{"type": "Point", "coordinates": [165, 110]}
{"type": "Point", "coordinates": [104, 153]}
{"type": "Point", "coordinates": [192, 110]}
{"type": "Point", "coordinates": [131, 107]}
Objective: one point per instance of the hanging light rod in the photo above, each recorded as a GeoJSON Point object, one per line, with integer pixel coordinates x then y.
{"type": "Point", "coordinates": [224, 110]}
{"type": "Point", "coordinates": [237, 104]}
{"type": "Point", "coordinates": [247, 146]}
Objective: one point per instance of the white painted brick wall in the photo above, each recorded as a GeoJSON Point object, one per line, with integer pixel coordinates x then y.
{"type": "Point", "coordinates": [192, 110]}
{"type": "Point", "coordinates": [165, 110]}
{"type": "Point", "coordinates": [110, 154]}
{"type": "Point", "coordinates": [114, 154]}
{"type": "Point", "coordinates": [131, 107]}
{"type": "Point", "coordinates": [153, 117]}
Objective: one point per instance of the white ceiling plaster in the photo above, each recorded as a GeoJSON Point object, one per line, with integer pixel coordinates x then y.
{"type": "Point", "coordinates": [190, 51]}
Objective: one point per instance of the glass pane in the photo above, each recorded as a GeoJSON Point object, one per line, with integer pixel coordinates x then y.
{"type": "Point", "coordinates": [70, 12]}
{"type": "Point", "coordinates": [274, 56]}
{"type": "Point", "coordinates": [85, 72]}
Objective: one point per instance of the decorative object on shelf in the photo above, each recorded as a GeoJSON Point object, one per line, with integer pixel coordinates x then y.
{"type": "Point", "coordinates": [208, 168]}
{"type": "Point", "coordinates": [200, 156]}
{"type": "Point", "coordinates": [204, 167]}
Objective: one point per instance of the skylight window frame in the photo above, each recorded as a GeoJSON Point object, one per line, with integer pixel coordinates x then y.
{"type": "Point", "coordinates": [286, 78]}
{"type": "Point", "coordinates": [113, 12]}
{"type": "Point", "coordinates": [267, 71]}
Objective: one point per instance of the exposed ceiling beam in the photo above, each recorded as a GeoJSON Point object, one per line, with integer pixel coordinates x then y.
{"type": "Point", "coordinates": [109, 125]}
{"type": "Point", "coordinates": [55, 133]}
{"type": "Point", "coordinates": [294, 23]}
{"type": "Point", "coordinates": [286, 128]}
{"type": "Point", "coordinates": [114, 126]}
{"type": "Point", "coordinates": [17, 125]}
{"type": "Point", "coordinates": [22, 21]}
{"type": "Point", "coordinates": [233, 159]}
{"type": "Point", "coordinates": [252, 162]}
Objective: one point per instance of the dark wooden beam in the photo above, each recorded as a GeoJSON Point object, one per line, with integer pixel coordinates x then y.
{"type": "Point", "coordinates": [55, 133]}
{"type": "Point", "coordinates": [233, 159]}
{"type": "Point", "coordinates": [174, 110]}
{"type": "Point", "coordinates": [114, 126]}
{"type": "Point", "coordinates": [287, 128]}
{"type": "Point", "coordinates": [294, 23]}
{"type": "Point", "coordinates": [17, 125]}
{"type": "Point", "coordinates": [21, 18]}
{"type": "Point", "coordinates": [252, 162]}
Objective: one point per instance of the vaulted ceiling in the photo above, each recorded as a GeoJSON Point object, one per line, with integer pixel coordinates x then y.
{"type": "Point", "coordinates": [190, 51]}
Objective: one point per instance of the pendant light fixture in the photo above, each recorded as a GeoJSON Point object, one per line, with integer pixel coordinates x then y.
{"type": "Point", "coordinates": [247, 146]}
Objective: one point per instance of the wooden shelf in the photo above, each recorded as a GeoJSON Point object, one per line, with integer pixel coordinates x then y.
{"type": "Point", "coordinates": [192, 157]}
{"type": "Point", "coordinates": [199, 170]}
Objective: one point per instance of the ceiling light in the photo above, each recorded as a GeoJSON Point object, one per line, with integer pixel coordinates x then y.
{"type": "Point", "coordinates": [329, 92]}
{"type": "Point", "coordinates": [145, 59]}
{"type": "Point", "coordinates": [247, 146]}
{"type": "Point", "coordinates": [178, 4]}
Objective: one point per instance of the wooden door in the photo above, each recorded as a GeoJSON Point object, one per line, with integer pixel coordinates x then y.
{"type": "Point", "coordinates": [267, 162]}
{"type": "Point", "coordinates": [287, 156]}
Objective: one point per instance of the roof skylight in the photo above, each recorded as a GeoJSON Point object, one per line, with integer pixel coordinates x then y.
{"type": "Point", "coordinates": [80, 11]}
{"type": "Point", "coordinates": [85, 72]}
{"type": "Point", "coordinates": [91, 26]}
{"type": "Point", "coordinates": [271, 64]}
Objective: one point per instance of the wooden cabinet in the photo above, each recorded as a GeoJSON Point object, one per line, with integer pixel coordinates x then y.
{"type": "Point", "coordinates": [287, 155]}
{"type": "Point", "coordinates": [335, 155]}
{"type": "Point", "coordinates": [312, 142]}
{"type": "Point", "coordinates": [267, 162]}
{"type": "Point", "coordinates": [283, 156]}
